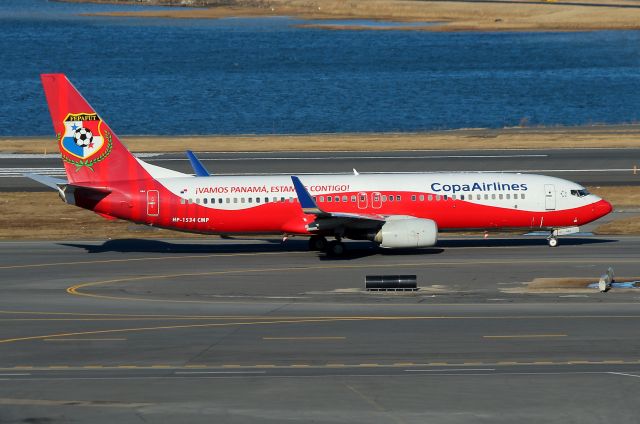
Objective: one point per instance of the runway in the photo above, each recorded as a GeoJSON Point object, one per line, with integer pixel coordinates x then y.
{"type": "Point", "coordinates": [586, 166]}
{"type": "Point", "coordinates": [240, 330]}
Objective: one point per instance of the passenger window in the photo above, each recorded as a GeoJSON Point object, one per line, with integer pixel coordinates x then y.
{"type": "Point", "coordinates": [250, 200]}
{"type": "Point", "coordinates": [508, 196]}
{"type": "Point", "coordinates": [205, 200]}
{"type": "Point", "coordinates": [282, 199]}
{"type": "Point", "coordinates": [500, 196]}
{"type": "Point", "coordinates": [337, 198]}
{"type": "Point", "coordinates": [290, 199]}
{"type": "Point", "coordinates": [228, 200]}
{"type": "Point", "coordinates": [242, 200]}
{"type": "Point", "coordinates": [344, 199]}
{"type": "Point", "coordinates": [493, 196]}
{"type": "Point", "coordinates": [522, 196]}
{"type": "Point", "coordinates": [462, 197]}
{"type": "Point", "coordinates": [453, 197]}
{"type": "Point", "coordinates": [384, 198]}
{"type": "Point", "coordinates": [235, 200]}
{"type": "Point", "coordinates": [437, 197]}
{"type": "Point", "coordinates": [391, 198]}
{"type": "Point", "coordinates": [275, 199]}
{"type": "Point", "coordinates": [422, 197]}
{"type": "Point", "coordinates": [446, 197]}
{"type": "Point", "coordinates": [198, 200]}
{"type": "Point", "coordinates": [353, 199]}
{"type": "Point", "coordinates": [322, 198]}
{"type": "Point", "coordinates": [486, 197]}
{"type": "Point", "coordinates": [182, 201]}
{"type": "Point", "coordinates": [398, 198]}
{"type": "Point", "coordinates": [329, 199]}
{"type": "Point", "coordinates": [430, 198]}
{"type": "Point", "coordinates": [257, 200]}
{"type": "Point", "coordinates": [266, 200]}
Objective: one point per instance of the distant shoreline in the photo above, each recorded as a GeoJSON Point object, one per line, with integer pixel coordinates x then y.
{"type": "Point", "coordinates": [449, 15]}
{"type": "Point", "coordinates": [595, 136]}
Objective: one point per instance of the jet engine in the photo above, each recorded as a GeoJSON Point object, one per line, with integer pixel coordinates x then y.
{"type": "Point", "coordinates": [399, 232]}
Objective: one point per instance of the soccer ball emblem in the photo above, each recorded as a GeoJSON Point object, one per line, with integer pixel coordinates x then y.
{"type": "Point", "coordinates": [83, 137]}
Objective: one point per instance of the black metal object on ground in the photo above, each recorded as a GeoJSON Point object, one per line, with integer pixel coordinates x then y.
{"type": "Point", "coordinates": [391, 282]}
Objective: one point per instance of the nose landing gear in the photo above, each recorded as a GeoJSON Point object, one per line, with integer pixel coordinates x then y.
{"type": "Point", "coordinates": [553, 241]}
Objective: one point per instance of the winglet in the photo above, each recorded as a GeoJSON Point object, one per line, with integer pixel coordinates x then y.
{"type": "Point", "coordinates": [307, 203]}
{"type": "Point", "coordinates": [197, 166]}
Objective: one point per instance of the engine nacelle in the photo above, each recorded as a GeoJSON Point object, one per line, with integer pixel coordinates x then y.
{"type": "Point", "coordinates": [401, 232]}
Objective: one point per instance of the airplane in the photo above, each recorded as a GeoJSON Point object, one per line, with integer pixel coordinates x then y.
{"type": "Point", "coordinates": [400, 210]}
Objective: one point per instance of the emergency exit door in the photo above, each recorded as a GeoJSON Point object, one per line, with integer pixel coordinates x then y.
{"type": "Point", "coordinates": [549, 197]}
{"type": "Point", "coordinates": [153, 203]}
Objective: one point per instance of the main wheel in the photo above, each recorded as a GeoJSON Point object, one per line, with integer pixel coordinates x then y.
{"type": "Point", "coordinates": [335, 248]}
{"type": "Point", "coordinates": [553, 242]}
{"type": "Point", "coordinates": [317, 243]}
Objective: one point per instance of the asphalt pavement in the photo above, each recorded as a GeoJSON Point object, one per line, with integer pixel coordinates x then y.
{"type": "Point", "coordinates": [245, 330]}
{"type": "Point", "coordinates": [585, 166]}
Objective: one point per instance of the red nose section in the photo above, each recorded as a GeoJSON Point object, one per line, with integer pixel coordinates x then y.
{"type": "Point", "coordinates": [603, 208]}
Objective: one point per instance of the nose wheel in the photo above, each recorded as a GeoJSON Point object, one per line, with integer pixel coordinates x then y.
{"type": "Point", "coordinates": [553, 241]}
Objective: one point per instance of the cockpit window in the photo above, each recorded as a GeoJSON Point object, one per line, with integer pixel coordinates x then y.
{"type": "Point", "coordinates": [580, 193]}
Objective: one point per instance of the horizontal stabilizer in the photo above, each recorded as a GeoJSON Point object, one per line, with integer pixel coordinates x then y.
{"type": "Point", "coordinates": [197, 166]}
{"type": "Point", "coordinates": [54, 183]}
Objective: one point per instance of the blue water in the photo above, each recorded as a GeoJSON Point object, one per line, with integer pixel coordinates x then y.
{"type": "Point", "coordinates": [160, 76]}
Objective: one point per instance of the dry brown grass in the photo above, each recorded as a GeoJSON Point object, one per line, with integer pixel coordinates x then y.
{"type": "Point", "coordinates": [471, 139]}
{"type": "Point", "coordinates": [43, 216]}
{"type": "Point", "coordinates": [624, 226]}
{"type": "Point", "coordinates": [453, 15]}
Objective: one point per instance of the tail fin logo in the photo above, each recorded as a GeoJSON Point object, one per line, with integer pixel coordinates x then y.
{"type": "Point", "coordinates": [83, 143]}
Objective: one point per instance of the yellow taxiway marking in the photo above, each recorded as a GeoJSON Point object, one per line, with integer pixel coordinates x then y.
{"type": "Point", "coordinates": [446, 365]}
{"type": "Point", "coordinates": [75, 289]}
{"type": "Point", "coordinates": [303, 320]}
{"type": "Point", "coordinates": [525, 336]}
{"type": "Point", "coordinates": [306, 338]}
{"type": "Point", "coordinates": [83, 340]}
{"type": "Point", "coordinates": [152, 258]}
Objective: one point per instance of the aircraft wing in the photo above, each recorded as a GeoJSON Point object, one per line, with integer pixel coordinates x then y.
{"type": "Point", "coordinates": [329, 220]}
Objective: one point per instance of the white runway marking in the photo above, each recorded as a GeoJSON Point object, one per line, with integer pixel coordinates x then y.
{"type": "Point", "coordinates": [624, 374]}
{"type": "Point", "coordinates": [358, 157]}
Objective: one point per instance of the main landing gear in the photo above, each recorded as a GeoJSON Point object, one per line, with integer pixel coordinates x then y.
{"type": "Point", "coordinates": [553, 241]}
{"type": "Point", "coordinates": [333, 248]}
{"type": "Point", "coordinates": [317, 243]}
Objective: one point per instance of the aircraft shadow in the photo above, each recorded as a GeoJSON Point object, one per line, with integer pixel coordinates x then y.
{"type": "Point", "coordinates": [520, 242]}
{"type": "Point", "coordinates": [177, 246]}
{"type": "Point", "coordinates": [355, 250]}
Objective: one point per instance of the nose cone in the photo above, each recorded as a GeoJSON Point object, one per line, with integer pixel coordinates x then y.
{"type": "Point", "coordinates": [602, 208]}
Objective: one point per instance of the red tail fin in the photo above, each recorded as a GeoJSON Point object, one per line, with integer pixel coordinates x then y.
{"type": "Point", "coordinates": [91, 152]}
